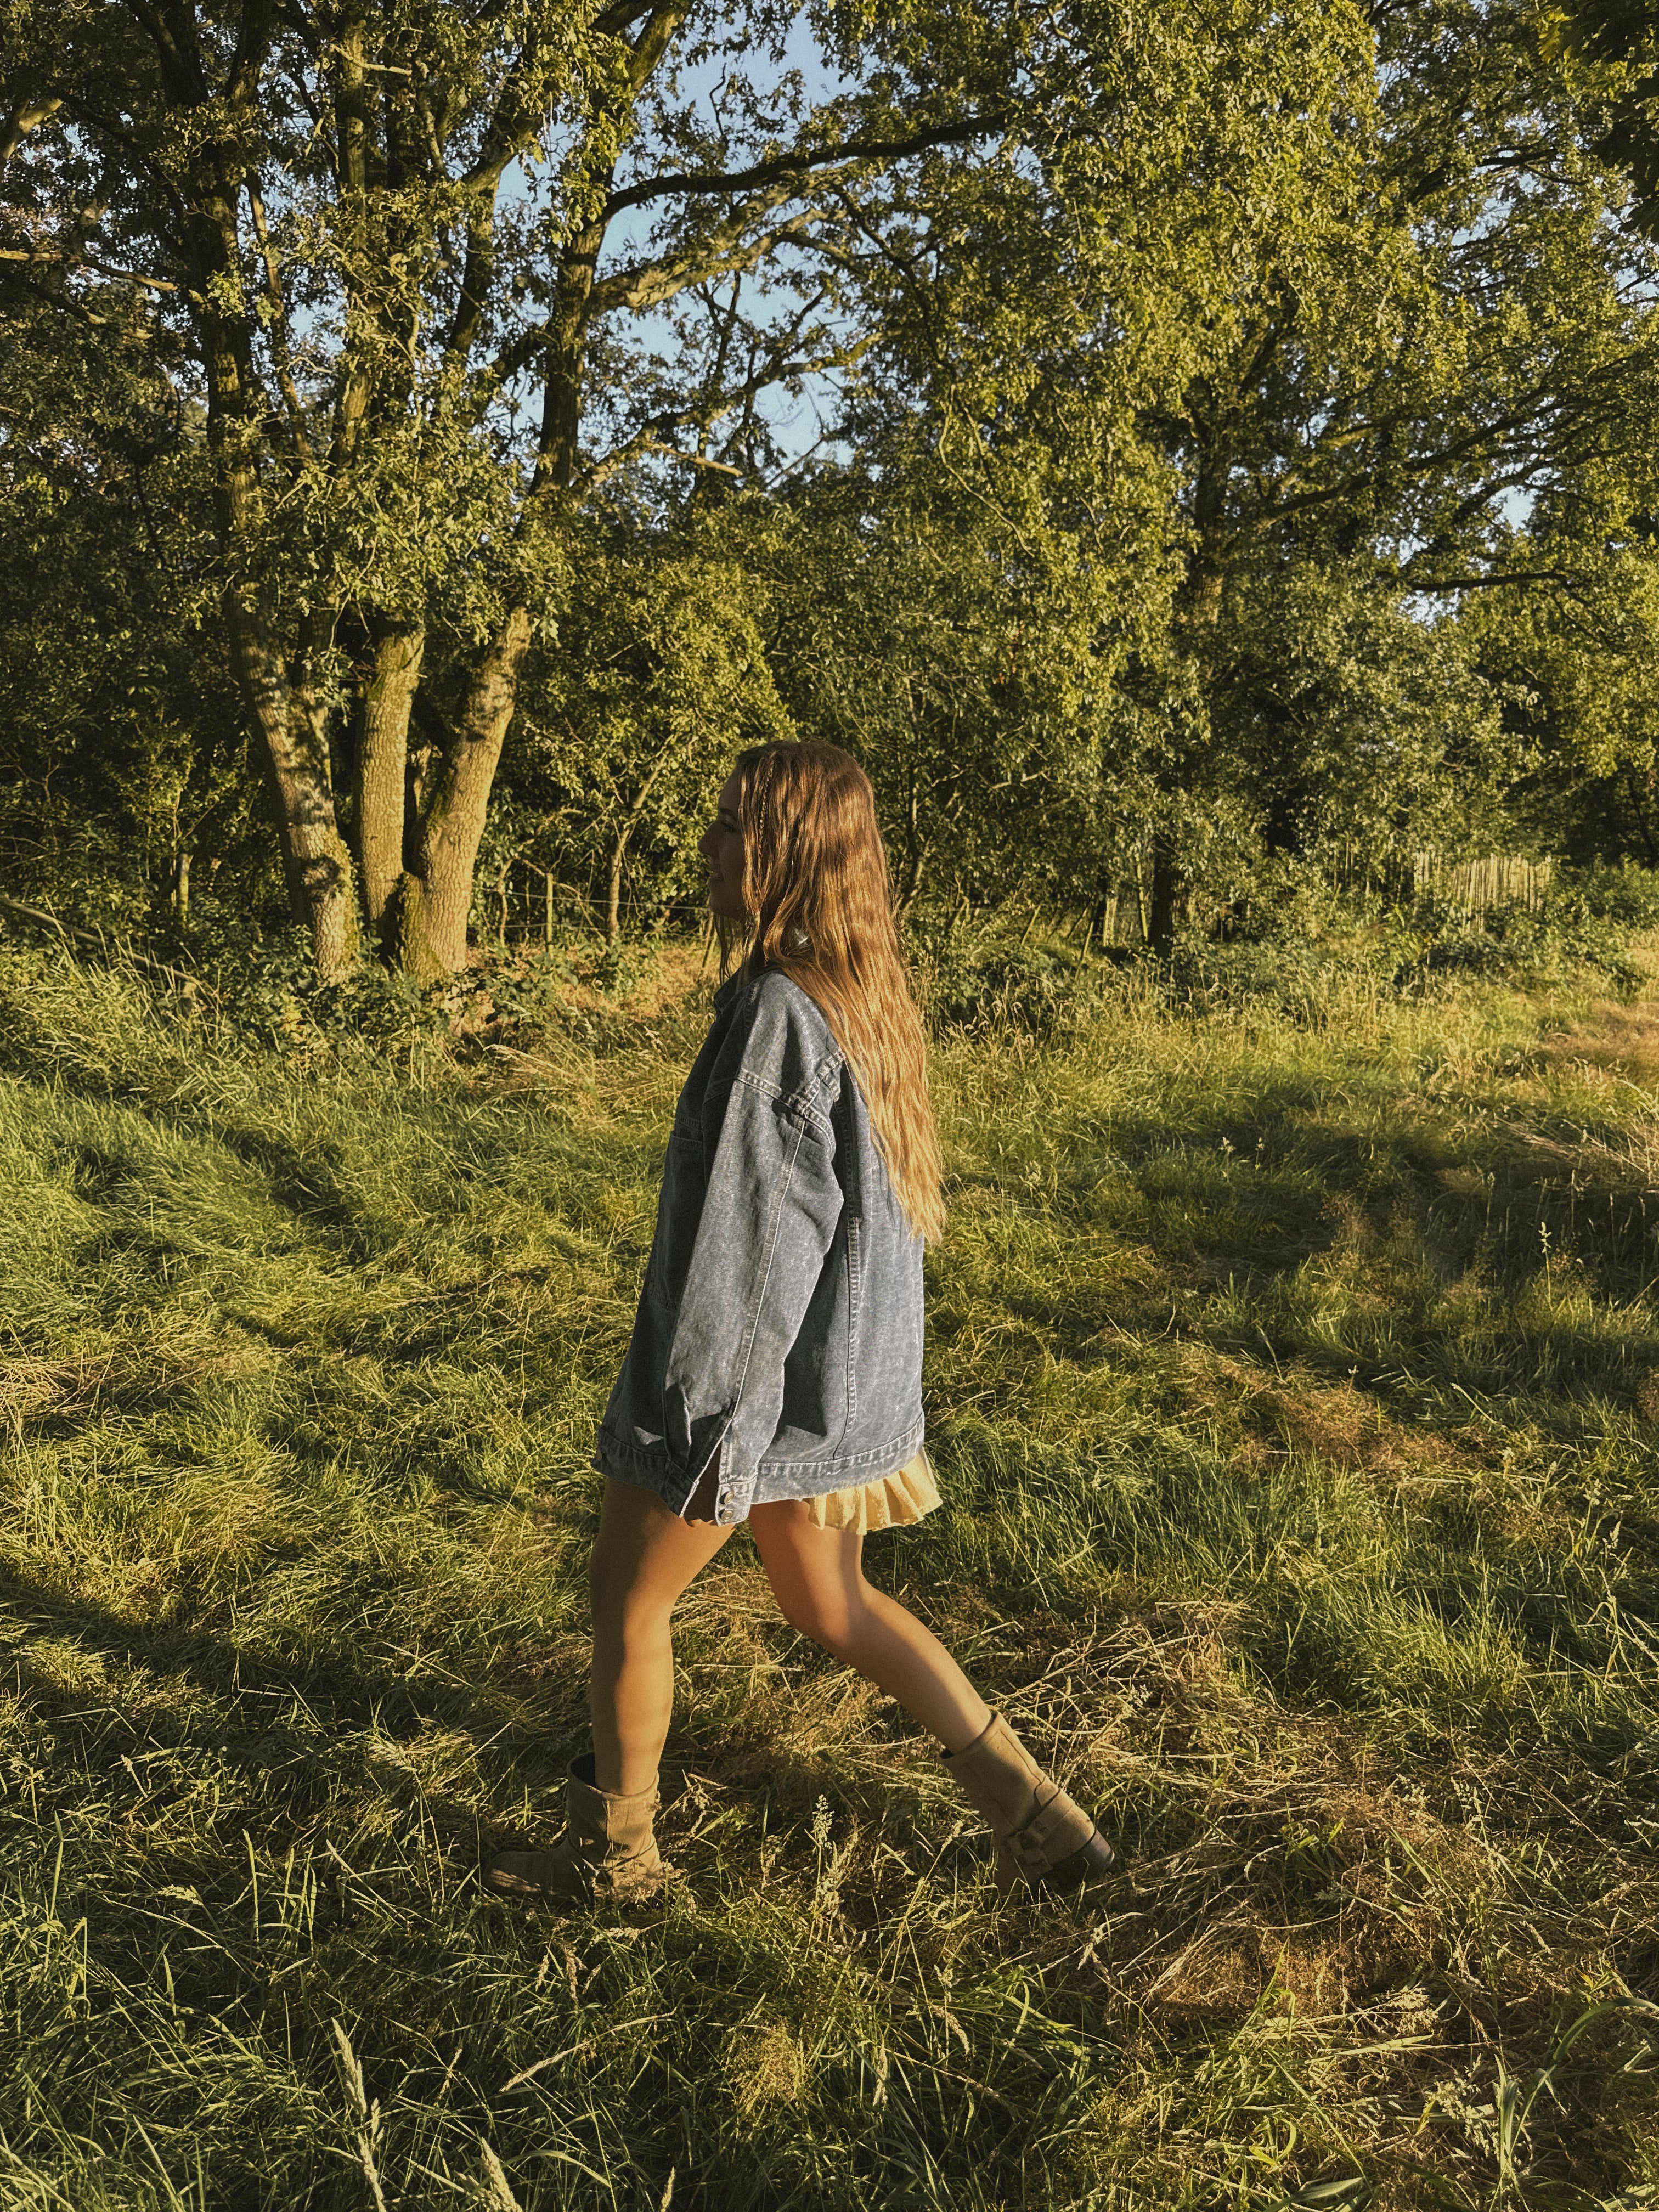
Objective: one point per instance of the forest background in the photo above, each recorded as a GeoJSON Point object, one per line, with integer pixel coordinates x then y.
{"type": "Point", "coordinates": [1189, 457]}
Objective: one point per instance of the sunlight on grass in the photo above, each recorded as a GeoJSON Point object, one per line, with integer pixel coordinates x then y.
{"type": "Point", "coordinates": [1292, 1387]}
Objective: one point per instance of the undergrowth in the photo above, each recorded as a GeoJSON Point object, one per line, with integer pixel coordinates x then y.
{"type": "Point", "coordinates": [1292, 1383]}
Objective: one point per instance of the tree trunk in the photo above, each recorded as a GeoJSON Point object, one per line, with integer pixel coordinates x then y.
{"type": "Point", "coordinates": [423, 913]}
{"type": "Point", "coordinates": [435, 897]}
{"type": "Point", "coordinates": [289, 720]}
{"type": "Point", "coordinates": [613, 889]}
{"type": "Point", "coordinates": [619, 853]}
{"type": "Point", "coordinates": [426, 914]}
{"type": "Point", "coordinates": [381, 768]}
{"type": "Point", "coordinates": [427, 920]}
{"type": "Point", "coordinates": [1099, 915]}
{"type": "Point", "coordinates": [284, 703]}
{"type": "Point", "coordinates": [1169, 895]}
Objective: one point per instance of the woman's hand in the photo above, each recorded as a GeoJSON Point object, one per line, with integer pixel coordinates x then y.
{"type": "Point", "coordinates": [702, 1506]}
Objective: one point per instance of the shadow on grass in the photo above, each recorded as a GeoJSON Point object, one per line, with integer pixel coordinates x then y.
{"type": "Point", "coordinates": [290, 1734]}
{"type": "Point", "coordinates": [1361, 1244]}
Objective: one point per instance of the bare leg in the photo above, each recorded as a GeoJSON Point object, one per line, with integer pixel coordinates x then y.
{"type": "Point", "coordinates": [644, 1559]}
{"type": "Point", "coordinates": [817, 1578]}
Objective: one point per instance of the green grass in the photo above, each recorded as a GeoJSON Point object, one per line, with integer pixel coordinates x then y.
{"type": "Point", "coordinates": [1293, 1391]}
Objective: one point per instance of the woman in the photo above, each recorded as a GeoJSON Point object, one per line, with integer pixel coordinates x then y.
{"type": "Point", "coordinates": [775, 1371]}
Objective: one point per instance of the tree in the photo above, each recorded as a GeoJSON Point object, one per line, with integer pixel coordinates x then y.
{"type": "Point", "coordinates": [1619, 42]}
{"type": "Point", "coordinates": [968, 672]}
{"type": "Point", "coordinates": [1570, 632]}
{"type": "Point", "coordinates": [380, 232]}
{"type": "Point", "coordinates": [626, 730]}
{"type": "Point", "coordinates": [122, 757]}
{"type": "Point", "coordinates": [1299, 305]}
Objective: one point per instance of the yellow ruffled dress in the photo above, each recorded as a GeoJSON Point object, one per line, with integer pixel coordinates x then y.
{"type": "Point", "coordinates": [893, 1501]}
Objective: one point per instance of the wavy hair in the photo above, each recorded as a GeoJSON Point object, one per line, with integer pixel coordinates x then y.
{"type": "Point", "coordinates": [818, 903]}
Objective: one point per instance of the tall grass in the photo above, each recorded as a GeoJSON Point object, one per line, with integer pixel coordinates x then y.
{"type": "Point", "coordinates": [1292, 1385]}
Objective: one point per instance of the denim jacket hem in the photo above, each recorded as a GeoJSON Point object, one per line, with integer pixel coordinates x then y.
{"type": "Point", "coordinates": [836, 1473]}
{"type": "Point", "coordinates": [776, 1481]}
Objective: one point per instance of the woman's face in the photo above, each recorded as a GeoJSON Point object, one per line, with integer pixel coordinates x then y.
{"type": "Point", "coordinates": [721, 846]}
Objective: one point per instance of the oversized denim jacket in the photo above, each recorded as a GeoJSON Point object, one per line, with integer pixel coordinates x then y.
{"type": "Point", "coordinates": [780, 1324]}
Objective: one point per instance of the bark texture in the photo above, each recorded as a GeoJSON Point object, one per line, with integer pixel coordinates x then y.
{"type": "Point", "coordinates": [435, 897]}
{"type": "Point", "coordinates": [381, 779]}
{"type": "Point", "coordinates": [315, 856]}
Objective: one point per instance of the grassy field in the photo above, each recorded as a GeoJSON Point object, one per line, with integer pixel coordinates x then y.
{"type": "Point", "coordinates": [1293, 1388]}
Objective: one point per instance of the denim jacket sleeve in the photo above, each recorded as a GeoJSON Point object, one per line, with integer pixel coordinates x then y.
{"type": "Point", "coordinates": [772, 1201]}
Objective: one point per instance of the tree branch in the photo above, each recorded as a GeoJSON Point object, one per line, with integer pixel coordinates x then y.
{"type": "Point", "coordinates": [98, 123]}
{"type": "Point", "coordinates": [695, 460]}
{"type": "Point", "coordinates": [19, 124]}
{"type": "Point", "coordinates": [650, 436]}
{"type": "Point", "coordinates": [1490, 583]}
{"type": "Point", "coordinates": [649, 49]}
{"type": "Point", "coordinates": [185, 59]}
{"type": "Point", "coordinates": [33, 255]}
{"type": "Point", "coordinates": [649, 283]}
{"type": "Point", "coordinates": [612, 21]}
{"type": "Point", "coordinates": [792, 169]}
{"type": "Point", "coordinates": [279, 347]}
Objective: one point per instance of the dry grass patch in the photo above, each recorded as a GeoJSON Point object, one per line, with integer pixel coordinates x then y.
{"type": "Point", "coordinates": [1622, 1040]}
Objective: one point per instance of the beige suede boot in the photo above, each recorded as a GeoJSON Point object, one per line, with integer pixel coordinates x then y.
{"type": "Point", "coordinates": [608, 1848]}
{"type": "Point", "coordinates": [1043, 1837]}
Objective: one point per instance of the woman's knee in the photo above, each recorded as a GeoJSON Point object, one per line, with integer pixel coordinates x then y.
{"type": "Point", "coordinates": [829, 1615]}
{"type": "Point", "coordinates": [644, 1556]}
{"type": "Point", "coordinates": [624, 1597]}
{"type": "Point", "coordinates": [624, 1585]}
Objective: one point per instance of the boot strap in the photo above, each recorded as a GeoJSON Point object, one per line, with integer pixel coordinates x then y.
{"type": "Point", "coordinates": [1053, 1833]}
{"type": "Point", "coordinates": [609, 1830]}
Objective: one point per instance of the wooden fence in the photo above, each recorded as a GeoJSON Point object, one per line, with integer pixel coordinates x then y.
{"type": "Point", "coordinates": [1497, 879]}
{"type": "Point", "coordinates": [1493, 879]}
{"type": "Point", "coordinates": [523, 903]}
{"type": "Point", "coordinates": [1489, 880]}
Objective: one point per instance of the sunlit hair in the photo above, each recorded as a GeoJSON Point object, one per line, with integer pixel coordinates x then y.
{"type": "Point", "coordinates": [818, 904]}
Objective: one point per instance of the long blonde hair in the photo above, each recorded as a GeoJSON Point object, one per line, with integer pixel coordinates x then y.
{"type": "Point", "coordinates": [818, 904]}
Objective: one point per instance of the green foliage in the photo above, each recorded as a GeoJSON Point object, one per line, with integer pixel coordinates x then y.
{"type": "Point", "coordinates": [1624, 894]}
{"type": "Point", "coordinates": [1570, 938]}
{"type": "Point", "coordinates": [1235, 448]}
{"type": "Point", "coordinates": [630, 727]}
{"type": "Point", "coordinates": [1297, 951]}
{"type": "Point", "coordinates": [979, 981]}
{"type": "Point", "coordinates": [1626, 34]}
{"type": "Point", "coordinates": [122, 747]}
{"type": "Point", "coordinates": [1360, 725]}
{"type": "Point", "coordinates": [373, 261]}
